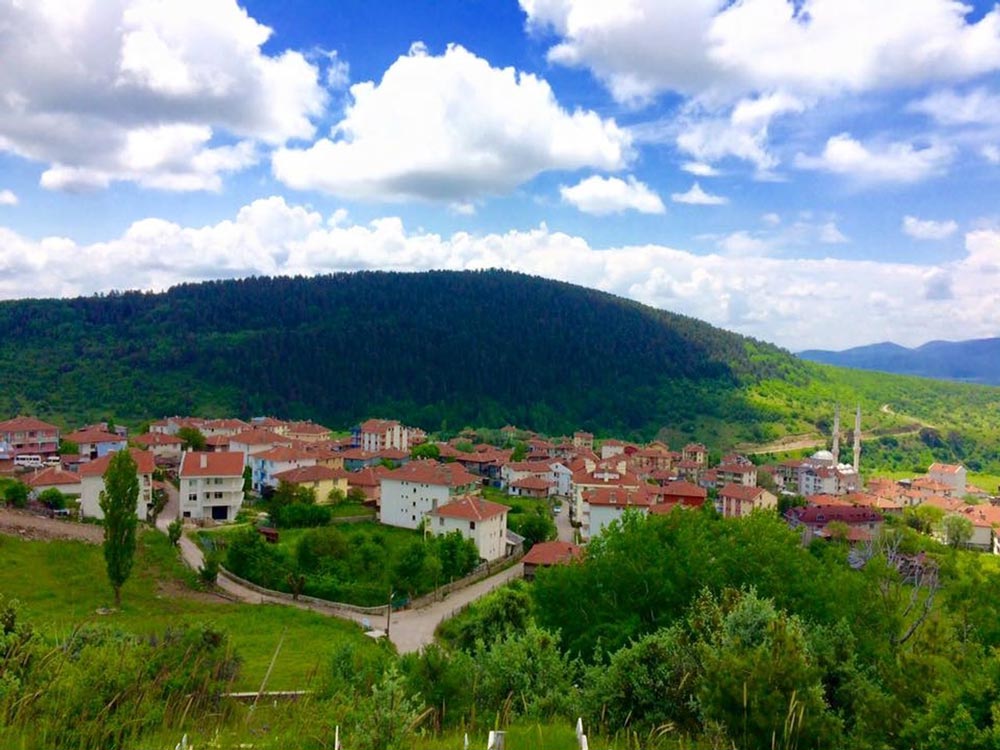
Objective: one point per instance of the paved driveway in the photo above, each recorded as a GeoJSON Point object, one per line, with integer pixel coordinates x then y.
{"type": "Point", "coordinates": [409, 630]}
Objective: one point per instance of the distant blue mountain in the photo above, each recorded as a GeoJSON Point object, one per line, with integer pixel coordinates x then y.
{"type": "Point", "coordinates": [974, 361]}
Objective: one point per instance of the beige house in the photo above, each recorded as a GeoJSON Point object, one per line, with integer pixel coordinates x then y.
{"type": "Point", "coordinates": [92, 484]}
{"type": "Point", "coordinates": [67, 482]}
{"type": "Point", "coordinates": [160, 444]}
{"type": "Point", "coordinates": [482, 521]}
{"type": "Point", "coordinates": [320, 479]}
{"type": "Point", "coordinates": [308, 432]}
{"type": "Point", "coordinates": [737, 500]}
{"type": "Point", "coordinates": [952, 475]}
{"type": "Point", "coordinates": [378, 434]}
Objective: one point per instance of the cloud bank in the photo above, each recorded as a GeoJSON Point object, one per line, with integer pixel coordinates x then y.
{"type": "Point", "coordinates": [797, 303]}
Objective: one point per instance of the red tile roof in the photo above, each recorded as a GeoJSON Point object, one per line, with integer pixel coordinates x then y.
{"type": "Point", "coordinates": [532, 483]}
{"type": "Point", "coordinates": [552, 553]}
{"type": "Point", "coordinates": [618, 496]}
{"type": "Point", "coordinates": [944, 468]}
{"type": "Point", "coordinates": [432, 472]}
{"type": "Point", "coordinates": [736, 468]}
{"type": "Point", "coordinates": [258, 437]}
{"type": "Point", "coordinates": [225, 424]}
{"type": "Point", "coordinates": [470, 509]}
{"type": "Point", "coordinates": [281, 454]}
{"type": "Point", "coordinates": [145, 464]}
{"type": "Point", "coordinates": [378, 425]}
{"type": "Point", "coordinates": [369, 477]}
{"type": "Point", "coordinates": [93, 436]}
{"type": "Point", "coordinates": [27, 424]}
{"type": "Point", "coordinates": [824, 514]}
{"type": "Point", "coordinates": [741, 492]}
{"type": "Point", "coordinates": [202, 464]}
{"type": "Point", "coordinates": [311, 474]}
{"type": "Point", "coordinates": [308, 428]}
{"type": "Point", "coordinates": [52, 476]}
{"type": "Point", "coordinates": [151, 439]}
{"type": "Point", "coordinates": [682, 489]}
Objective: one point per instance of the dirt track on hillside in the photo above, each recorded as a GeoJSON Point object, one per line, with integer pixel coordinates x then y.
{"type": "Point", "coordinates": [27, 525]}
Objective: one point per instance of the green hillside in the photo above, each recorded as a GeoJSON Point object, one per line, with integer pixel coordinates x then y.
{"type": "Point", "coordinates": [442, 350]}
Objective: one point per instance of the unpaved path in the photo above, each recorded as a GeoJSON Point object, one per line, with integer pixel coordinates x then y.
{"type": "Point", "coordinates": [409, 630]}
{"type": "Point", "coordinates": [27, 525]}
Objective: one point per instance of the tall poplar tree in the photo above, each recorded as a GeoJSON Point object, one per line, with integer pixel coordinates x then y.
{"type": "Point", "coordinates": [118, 503]}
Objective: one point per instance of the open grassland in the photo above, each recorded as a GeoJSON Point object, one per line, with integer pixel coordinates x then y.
{"type": "Point", "coordinates": [62, 585]}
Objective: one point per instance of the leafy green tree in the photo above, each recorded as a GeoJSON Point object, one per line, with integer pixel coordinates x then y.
{"type": "Point", "coordinates": [52, 499]}
{"type": "Point", "coordinates": [957, 530]}
{"type": "Point", "coordinates": [193, 438]}
{"type": "Point", "coordinates": [385, 719]}
{"type": "Point", "coordinates": [209, 570]}
{"type": "Point", "coordinates": [536, 526]}
{"type": "Point", "coordinates": [924, 518]}
{"type": "Point", "coordinates": [17, 494]}
{"type": "Point", "coordinates": [160, 498]}
{"type": "Point", "coordinates": [336, 496]}
{"type": "Point", "coordinates": [68, 448]}
{"type": "Point", "coordinates": [356, 495]}
{"type": "Point", "coordinates": [118, 504]}
{"type": "Point", "coordinates": [407, 573]}
{"type": "Point", "coordinates": [426, 450]}
{"type": "Point", "coordinates": [520, 451]}
{"type": "Point", "coordinates": [247, 480]}
{"type": "Point", "coordinates": [174, 531]}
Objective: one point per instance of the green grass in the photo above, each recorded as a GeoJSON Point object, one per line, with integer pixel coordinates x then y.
{"type": "Point", "coordinates": [62, 584]}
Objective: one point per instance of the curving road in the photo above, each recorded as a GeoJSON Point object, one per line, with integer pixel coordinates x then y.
{"type": "Point", "coordinates": [409, 630]}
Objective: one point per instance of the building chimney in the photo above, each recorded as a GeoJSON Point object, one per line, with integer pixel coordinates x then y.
{"type": "Point", "coordinates": [204, 460]}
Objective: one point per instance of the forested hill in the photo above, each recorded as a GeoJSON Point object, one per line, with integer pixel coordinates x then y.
{"type": "Point", "coordinates": [974, 361]}
{"type": "Point", "coordinates": [439, 349]}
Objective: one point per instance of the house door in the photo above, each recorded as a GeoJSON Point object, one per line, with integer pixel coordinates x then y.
{"type": "Point", "coordinates": [220, 512]}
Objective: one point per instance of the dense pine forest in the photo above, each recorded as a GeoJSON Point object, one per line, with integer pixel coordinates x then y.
{"type": "Point", "coordinates": [443, 350]}
{"type": "Point", "coordinates": [437, 349]}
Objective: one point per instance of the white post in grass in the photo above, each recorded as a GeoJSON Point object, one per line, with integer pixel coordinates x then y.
{"type": "Point", "coordinates": [336, 738]}
{"type": "Point", "coordinates": [466, 743]}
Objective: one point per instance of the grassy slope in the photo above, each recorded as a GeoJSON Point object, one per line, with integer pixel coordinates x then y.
{"type": "Point", "coordinates": [62, 585]}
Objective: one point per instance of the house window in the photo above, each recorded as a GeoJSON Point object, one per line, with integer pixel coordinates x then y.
{"type": "Point", "coordinates": [193, 497]}
{"type": "Point", "coordinates": [440, 522]}
{"type": "Point", "coordinates": [472, 525]}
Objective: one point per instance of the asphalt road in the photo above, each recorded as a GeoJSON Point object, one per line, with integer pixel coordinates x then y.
{"type": "Point", "coordinates": [410, 629]}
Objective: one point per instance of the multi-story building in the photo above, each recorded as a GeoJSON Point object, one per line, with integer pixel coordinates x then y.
{"type": "Point", "coordinates": [92, 484]}
{"type": "Point", "coordinates": [375, 435]}
{"type": "Point", "coordinates": [420, 487]}
{"type": "Point", "coordinates": [30, 436]}
{"type": "Point", "coordinates": [211, 485]}
{"type": "Point", "coordinates": [482, 521]}
{"type": "Point", "coordinates": [95, 443]}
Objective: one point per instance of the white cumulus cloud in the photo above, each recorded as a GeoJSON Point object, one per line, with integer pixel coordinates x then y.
{"type": "Point", "coordinates": [928, 229]}
{"type": "Point", "coordinates": [167, 95]}
{"type": "Point", "coordinates": [698, 197]}
{"type": "Point", "coordinates": [640, 48]}
{"type": "Point", "coordinates": [452, 128]}
{"type": "Point", "coordinates": [8, 198]}
{"type": "Point", "coordinates": [892, 162]}
{"type": "Point", "coordinates": [809, 302]}
{"type": "Point", "coordinates": [611, 195]}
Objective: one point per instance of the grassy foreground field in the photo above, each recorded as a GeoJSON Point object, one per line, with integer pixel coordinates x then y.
{"type": "Point", "coordinates": [62, 584]}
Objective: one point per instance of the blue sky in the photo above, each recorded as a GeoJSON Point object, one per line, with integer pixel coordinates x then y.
{"type": "Point", "coordinates": [821, 173]}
